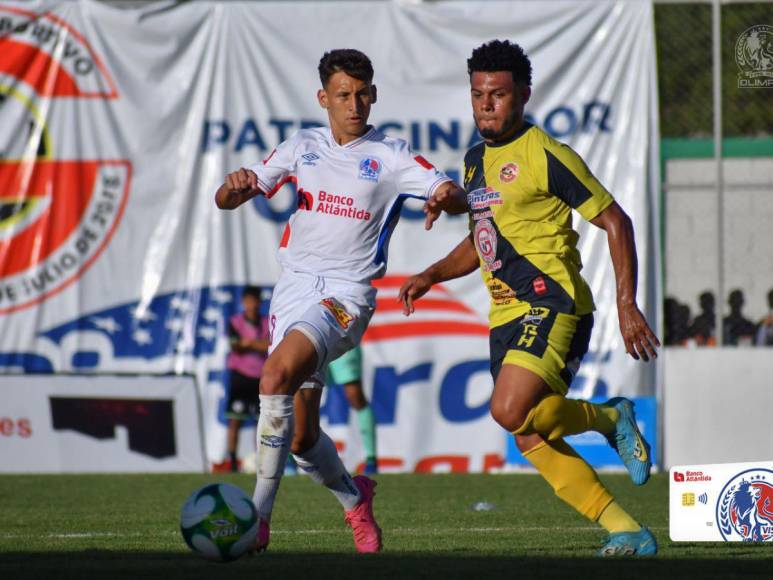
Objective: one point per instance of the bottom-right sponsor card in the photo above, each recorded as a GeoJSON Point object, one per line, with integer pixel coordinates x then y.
{"type": "Point", "coordinates": [730, 502]}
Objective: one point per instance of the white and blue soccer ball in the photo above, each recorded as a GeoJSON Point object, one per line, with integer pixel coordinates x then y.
{"type": "Point", "coordinates": [219, 522]}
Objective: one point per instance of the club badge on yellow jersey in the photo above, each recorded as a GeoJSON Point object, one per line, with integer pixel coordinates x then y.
{"type": "Point", "coordinates": [508, 173]}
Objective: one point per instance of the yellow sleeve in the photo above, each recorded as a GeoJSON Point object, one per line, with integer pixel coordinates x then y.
{"type": "Point", "coordinates": [569, 178]}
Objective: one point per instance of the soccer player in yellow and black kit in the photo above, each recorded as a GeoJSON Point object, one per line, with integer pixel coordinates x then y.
{"type": "Point", "coordinates": [522, 186]}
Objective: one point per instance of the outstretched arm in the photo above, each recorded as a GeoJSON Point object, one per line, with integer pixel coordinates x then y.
{"type": "Point", "coordinates": [448, 197]}
{"type": "Point", "coordinates": [462, 260]}
{"type": "Point", "coordinates": [639, 339]}
{"type": "Point", "coordinates": [238, 187]}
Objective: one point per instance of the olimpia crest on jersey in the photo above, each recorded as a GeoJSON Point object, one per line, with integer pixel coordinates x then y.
{"type": "Point", "coordinates": [370, 169]}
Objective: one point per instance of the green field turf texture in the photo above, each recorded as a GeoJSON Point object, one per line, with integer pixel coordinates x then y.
{"type": "Point", "coordinates": [126, 526]}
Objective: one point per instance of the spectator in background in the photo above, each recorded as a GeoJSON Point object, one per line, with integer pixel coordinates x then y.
{"type": "Point", "coordinates": [736, 328]}
{"type": "Point", "coordinates": [702, 327]}
{"type": "Point", "coordinates": [669, 316]}
{"type": "Point", "coordinates": [682, 324]}
{"type": "Point", "coordinates": [248, 333]}
{"type": "Point", "coordinates": [765, 327]}
{"type": "Point", "coordinates": [677, 322]}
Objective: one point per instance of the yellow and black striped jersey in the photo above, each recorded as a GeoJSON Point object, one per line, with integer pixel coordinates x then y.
{"type": "Point", "coordinates": [521, 194]}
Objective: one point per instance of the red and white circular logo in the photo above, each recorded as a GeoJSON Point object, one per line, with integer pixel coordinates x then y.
{"type": "Point", "coordinates": [58, 207]}
{"type": "Point", "coordinates": [486, 240]}
{"type": "Point", "coordinates": [508, 172]}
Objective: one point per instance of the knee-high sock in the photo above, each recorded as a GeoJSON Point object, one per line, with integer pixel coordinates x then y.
{"type": "Point", "coordinates": [572, 479]}
{"type": "Point", "coordinates": [556, 417]}
{"type": "Point", "coordinates": [275, 434]}
{"type": "Point", "coordinates": [616, 519]}
{"type": "Point", "coordinates": [367, 422]}
{"type": "Point", "coordinates": [322, 464]}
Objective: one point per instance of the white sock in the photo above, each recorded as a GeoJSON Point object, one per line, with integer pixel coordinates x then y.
{"type": "Point", "coordinates": [274, 434]}
{"type": "Point", "coordinates": [322, 464]}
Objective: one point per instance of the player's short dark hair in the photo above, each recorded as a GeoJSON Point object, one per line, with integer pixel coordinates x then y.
{"type": "Point", "coordinates": [501, 55]}
{"type": "Point", "coordinates": [349, 60]}
{"type": "Point", "coordinates": [254, 291]}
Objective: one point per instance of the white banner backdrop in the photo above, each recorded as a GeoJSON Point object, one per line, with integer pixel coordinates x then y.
{"type": "Point", "coordinates": [117, 126]}
{"type": "Point", "coordinates": [71, 423]}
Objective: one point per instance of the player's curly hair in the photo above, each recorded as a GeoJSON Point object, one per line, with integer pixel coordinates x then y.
{"type": "Point", "coordinates": [349, 60]}
{"type": "Point", "coordinates": [501, 55]}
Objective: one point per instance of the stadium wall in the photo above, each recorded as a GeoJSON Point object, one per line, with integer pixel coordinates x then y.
{"type": "Point", "coordinates": [691, 260]}
{"type": "Point", "coordinates": [717, 405]}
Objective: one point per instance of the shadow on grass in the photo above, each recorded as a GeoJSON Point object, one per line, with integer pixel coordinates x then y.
{"type": "Point", "coordinates": [313, 566]}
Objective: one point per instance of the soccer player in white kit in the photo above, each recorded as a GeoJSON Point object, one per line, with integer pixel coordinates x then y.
{"type": "Point", "coordinates": [351, 181]}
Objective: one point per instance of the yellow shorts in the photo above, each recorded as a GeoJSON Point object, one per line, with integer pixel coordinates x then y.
{"type": "Point", "coordinates": [548, 343]}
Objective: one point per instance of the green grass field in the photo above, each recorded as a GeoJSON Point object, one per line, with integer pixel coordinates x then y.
{"type": "Point", "coordinates": [88, 526]}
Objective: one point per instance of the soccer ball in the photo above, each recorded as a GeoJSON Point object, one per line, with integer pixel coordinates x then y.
{"type": "Point", "coordinates": [219, 522]}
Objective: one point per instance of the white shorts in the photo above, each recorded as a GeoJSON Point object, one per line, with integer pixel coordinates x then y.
{"type": "Point", "coordinates": [333, 314]}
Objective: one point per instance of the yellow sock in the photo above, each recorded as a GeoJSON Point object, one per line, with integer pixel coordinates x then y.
{"type": "Point", "coordinates": [573, 480]}
{"type": "Point", "coordinates": [616, 519]}
{"type": "Point", "coordinates": [556, 417]}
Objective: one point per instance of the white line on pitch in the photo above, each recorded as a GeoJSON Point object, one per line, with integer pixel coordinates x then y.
{"type": "Point", "coordinates": [445, 531]}
{"type": "Point", "coordinates": [405, 531]}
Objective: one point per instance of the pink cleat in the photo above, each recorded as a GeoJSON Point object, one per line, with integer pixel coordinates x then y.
{"type": "Point", "coordinates": [263, 536]}
{"type": "Point", "coordinates": [367, 534]}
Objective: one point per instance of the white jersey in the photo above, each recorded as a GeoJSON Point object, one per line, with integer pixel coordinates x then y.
{"type": "Point", "coordinates": [349, 199]}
